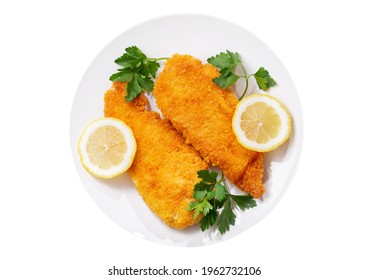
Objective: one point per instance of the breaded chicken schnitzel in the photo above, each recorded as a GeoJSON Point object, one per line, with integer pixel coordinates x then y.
{"type": "Point", "coordinates": [202, 112]}
{"type": "Point", "coordinates": [165, 167]}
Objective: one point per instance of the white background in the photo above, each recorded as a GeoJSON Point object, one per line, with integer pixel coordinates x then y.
{"type": "Point", "coordinates": [50, 227]}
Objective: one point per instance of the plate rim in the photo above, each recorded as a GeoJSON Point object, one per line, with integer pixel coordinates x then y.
{"type": "Point", "coordinates": [225, 21]}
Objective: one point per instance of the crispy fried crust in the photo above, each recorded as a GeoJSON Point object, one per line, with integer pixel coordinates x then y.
{"type": "Point", "coordinates": [165, 167]}
{"type": "Point", "coordinates": [202, 112]}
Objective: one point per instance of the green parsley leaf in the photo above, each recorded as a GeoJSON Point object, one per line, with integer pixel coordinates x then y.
{"type": "Point", "coordinates": [133, 51]}
{"type": "Point", "coordinates": [226, 80]}
{"type": "Point", "coordinates": [225, 60]}
{"type": "Point", "coordinates": [192, 205]}
{"type": "Point", "coordinates": [207, 177]}
{"type": "Point", "coordinates": [133, 89]}
{"type": "Point", "coordinates": [212, 195]}
{"type": "Point", "coordinates": [263, 79]}
{"type": "Point", "coordinates": [153, 67]}
{"type": "Point", "coordinates": [200, 186]}
{"type": "Point", "coordinates": [235, 57]}
{"type": "Point", "coordinates": [220, 192]}
{"type": "Point", "coordinates": [226, 218]}
{"type": "Point", "coordinates": [128, 61]}
{"type": "Point", "coordinates": [204, 207]}
{"type": "Point", "coordinates": [199, 195]}
{"type": "Point", "coordinates": [138, 71]}
{"type": "Point", "coordinates": [244, 201]}
{"type": "Point", "coordinates": [123, 75]}
{"type": "Point", "coordinates": [227, 63]}
{"type": "Point", "coordinates": [145, 82]}
{"type": "Point", "coordinates": [209, 220]}
{"type": "Point", "coordinates": [200, 207]}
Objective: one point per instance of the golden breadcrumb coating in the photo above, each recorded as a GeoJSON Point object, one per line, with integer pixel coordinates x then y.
{"type": "Point", "coordinates": [165, 167]}
{"type": "Point", "coordinates": [202, 112]}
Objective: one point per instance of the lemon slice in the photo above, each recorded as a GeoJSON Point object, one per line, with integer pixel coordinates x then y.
{"type": "Point", "coordinates": [107, 147]}
{"type": "Point", "coordinates": [261, 123]}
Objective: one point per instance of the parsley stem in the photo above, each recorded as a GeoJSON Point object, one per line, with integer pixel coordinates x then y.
{"type": "Point", "coordinates": [221, 179]}
{"type": "Point", "coordinates": [160, 58]}
{"type": "Point", "coordinates": [247, 81]}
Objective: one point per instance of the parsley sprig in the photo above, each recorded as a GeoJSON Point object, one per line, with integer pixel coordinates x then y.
{"type": "Point", "coordinates": [137, 70]}
{"type": "Point", "coordinates": [212, 195]}
{"type": "Point", "coordinates": [227, 63]}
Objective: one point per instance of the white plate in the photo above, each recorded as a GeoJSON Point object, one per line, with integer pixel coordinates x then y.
{"type": "Point", "coordinates": [202, 37]}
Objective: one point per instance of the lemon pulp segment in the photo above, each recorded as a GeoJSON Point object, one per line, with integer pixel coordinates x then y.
{"type": "Point", "coordinates": [106, 147]}
{"type": "Point", "coordinates": [260, 122]}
